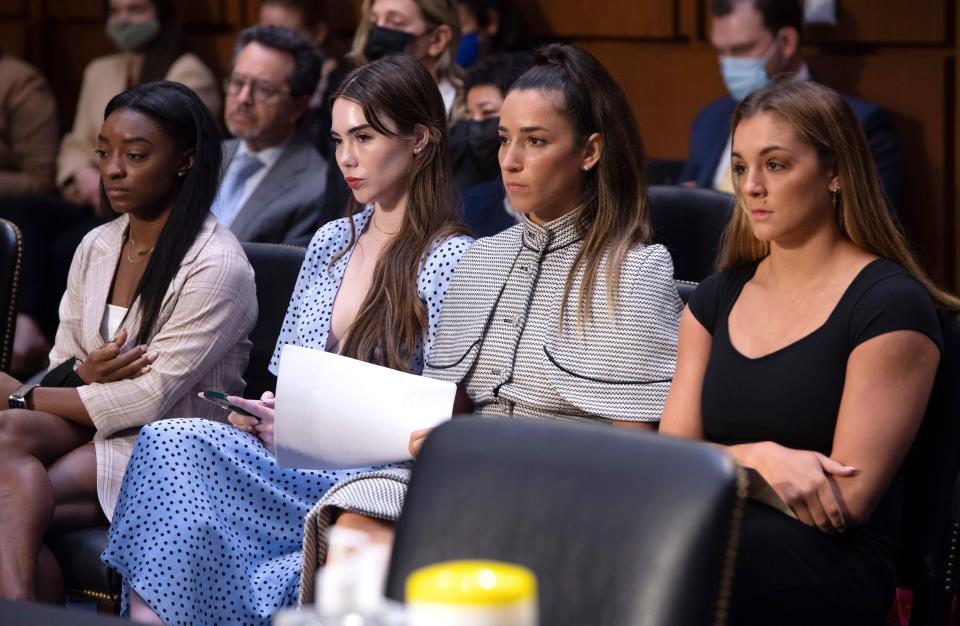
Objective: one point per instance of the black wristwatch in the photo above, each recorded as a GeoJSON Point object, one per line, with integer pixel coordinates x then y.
{"type": "Point", "coordinates": [18, 399]}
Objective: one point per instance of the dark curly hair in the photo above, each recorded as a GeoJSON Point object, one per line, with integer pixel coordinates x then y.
{"type": "Point", "coordinates": [306, 60]}
{"type": "Point", "coordinates": [500, 70]}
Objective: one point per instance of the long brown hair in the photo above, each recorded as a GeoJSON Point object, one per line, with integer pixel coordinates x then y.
{"type": "Point", "coordinates": [824, 120]}
{"type": "Point", "coordinates": [392, 321]}
{"type": "Point", "coordinates": [613, 214]}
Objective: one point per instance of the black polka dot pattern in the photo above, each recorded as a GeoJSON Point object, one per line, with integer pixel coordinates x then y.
{"type": "Point", "coordinates": [307, 322]}
{"type": "Point", "coordinates": [208, 528]}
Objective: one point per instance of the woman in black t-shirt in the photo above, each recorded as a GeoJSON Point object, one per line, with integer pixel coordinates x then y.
{"type": "Point", "coordinates": [810, 358]}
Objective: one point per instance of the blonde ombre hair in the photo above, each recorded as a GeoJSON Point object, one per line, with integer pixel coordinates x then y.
{"type": "Point", "coordinates": [435, 13]}
{"type": "Point", "coordinates": [824, 120]}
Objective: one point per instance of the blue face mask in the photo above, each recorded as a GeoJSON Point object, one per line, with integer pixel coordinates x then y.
{"type": "Point", "coordinates": [744, 75]}
{"type": "Point", "coordinates": [469, 50]}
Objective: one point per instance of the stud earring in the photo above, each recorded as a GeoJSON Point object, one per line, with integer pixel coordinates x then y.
{"type": "Point", "coordinates": [181, 174]}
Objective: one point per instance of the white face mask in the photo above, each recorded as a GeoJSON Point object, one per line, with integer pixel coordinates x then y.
{"type": "Point", "coordinates": [744, 75]}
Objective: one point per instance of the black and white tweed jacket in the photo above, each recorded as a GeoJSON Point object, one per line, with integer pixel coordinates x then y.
{"type": "Point", "coordinates": [501, 336]}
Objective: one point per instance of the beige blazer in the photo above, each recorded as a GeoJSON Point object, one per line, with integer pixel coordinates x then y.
{"type": "Point", "coordinates": [104, 78]}
{"type": "Point", "coordinates": [201, 340]}
{"type": "Point", "coordinates": [28, 129]}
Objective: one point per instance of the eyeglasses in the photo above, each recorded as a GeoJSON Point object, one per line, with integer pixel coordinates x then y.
{"type": "Point", "coordinates": [261, 90]}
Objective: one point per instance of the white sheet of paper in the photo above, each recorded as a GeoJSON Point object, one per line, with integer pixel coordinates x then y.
{"type": "Point", "coordinates": [334, 412]}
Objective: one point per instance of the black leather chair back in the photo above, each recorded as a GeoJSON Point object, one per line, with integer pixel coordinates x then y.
{"type": "Point", "coordinates": [11, 263]}
{"type": "Point", "coordinates": [690, 223]}
{"type": "Point", "coordinates": [275, 269]}
{"type": "Point", "coordinates": [664, 171]}
{"type": "Point", "coordinates": [685, 289]}
{"type": "Point", "coordinates": [621, 528]}
{"type": "Point", "coordinates": [930, 537]}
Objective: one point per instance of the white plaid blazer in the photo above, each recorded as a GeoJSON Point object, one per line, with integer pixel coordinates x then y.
{"type": "Point", "coordinates": [201, 340]}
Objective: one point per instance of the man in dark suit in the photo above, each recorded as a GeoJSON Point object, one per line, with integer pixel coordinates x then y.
{"type": "Point", "coordinates": [756, 40]}
{"type": "Point", "coordinates": [274, 181]}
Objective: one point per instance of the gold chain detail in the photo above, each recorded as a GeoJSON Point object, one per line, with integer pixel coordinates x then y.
{"type": "Point", "coordinates": [733, 543]}
{"type": "Point", "coordinates": [95, 595]}
{"type": "Point", "coordinates": [133, 244]}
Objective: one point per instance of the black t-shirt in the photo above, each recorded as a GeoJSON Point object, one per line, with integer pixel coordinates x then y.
{"type": "Point", "coordinates": [792, 396]}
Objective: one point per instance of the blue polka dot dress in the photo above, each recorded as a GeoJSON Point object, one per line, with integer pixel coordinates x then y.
{"type": "Point", "coordinates": [208, 528]}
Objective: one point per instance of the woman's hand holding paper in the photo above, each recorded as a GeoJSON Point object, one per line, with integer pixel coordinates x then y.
{"type": "Point", "coordinates": [417, 438]}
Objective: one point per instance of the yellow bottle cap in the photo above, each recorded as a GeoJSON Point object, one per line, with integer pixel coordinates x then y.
{"type": "Point", "coordinates": [483, 583]}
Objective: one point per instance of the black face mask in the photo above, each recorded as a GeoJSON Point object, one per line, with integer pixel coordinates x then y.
{"type": "Point", "coordinates": [384, 41]}
{"type": "Point", "coordinates": [474, 147]}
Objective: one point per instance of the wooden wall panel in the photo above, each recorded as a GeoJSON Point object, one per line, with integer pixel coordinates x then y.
{"type": "Point", "coordinates": [952, 121]}
{"type": "Point", "coordinates": [13, 8]}
{"type": "Point", "coordinates": [74, 9]}
{"type": "Point", "coordinates": [648, 19]}
{"type": "Point", "coordinates": [918, 105]}
{"type": "Point", "coordinates": [216, 49]}
{"type": "Point", "coordinates": [888, 21]}
{"type": "Point", "coordinates": [666, 84]}
{"type": "Point", "coordinates": [69, 47]}
{"type": "Point", "coordinates": [202, 12]}
{"type": "Point", "coordinates": [13, 34]}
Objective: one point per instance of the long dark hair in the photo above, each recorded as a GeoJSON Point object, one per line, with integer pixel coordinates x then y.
{"type": "Point", "coordinates": [613, 214]}
{"type": "Point", "coordinates": [188, 123]}
{"type": "Point", "coordinates": [392, 320]}
{"type": "Point", "coordinates": [164, 49]}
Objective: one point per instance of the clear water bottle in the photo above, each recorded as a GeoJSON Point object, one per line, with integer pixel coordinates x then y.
{"type": "Point", "coordinates": [350, 587]}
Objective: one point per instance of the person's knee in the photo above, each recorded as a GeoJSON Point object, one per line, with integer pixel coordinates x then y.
{"type": "Point", "coordinates": [25, 487]}
{"type": "Point", "coordinates": [377, 530]}
{"type": "Point", "coordinates": [13, 431]}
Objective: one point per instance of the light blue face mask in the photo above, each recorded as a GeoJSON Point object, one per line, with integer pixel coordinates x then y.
{"type": "Point", "coordinates": [744, 75]}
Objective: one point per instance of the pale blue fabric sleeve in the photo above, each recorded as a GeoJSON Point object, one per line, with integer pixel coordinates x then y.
{"type": "Point", "coordinates": [435, 275]}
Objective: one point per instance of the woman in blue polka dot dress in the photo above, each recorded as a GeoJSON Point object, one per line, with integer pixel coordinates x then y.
{"type": "Point", "coordinates": [208, 527]}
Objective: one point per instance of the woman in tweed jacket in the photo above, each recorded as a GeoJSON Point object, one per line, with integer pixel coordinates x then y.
{"type": "Point", "coordinates": [570, 314]}
{"type": "Point", "coordinates": [159, 305]}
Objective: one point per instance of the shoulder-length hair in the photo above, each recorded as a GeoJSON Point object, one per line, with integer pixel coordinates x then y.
{"type": "Point", "coordinates": [823, 119]}
{"type": "Point", "coordinates": [613, 214]}
{"type": "Point", "coordinates": [187, 122]}
{"type": "Point", "coordinates": [436, 13]}
{"type": "Point", "coordinates": [392, 321]}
